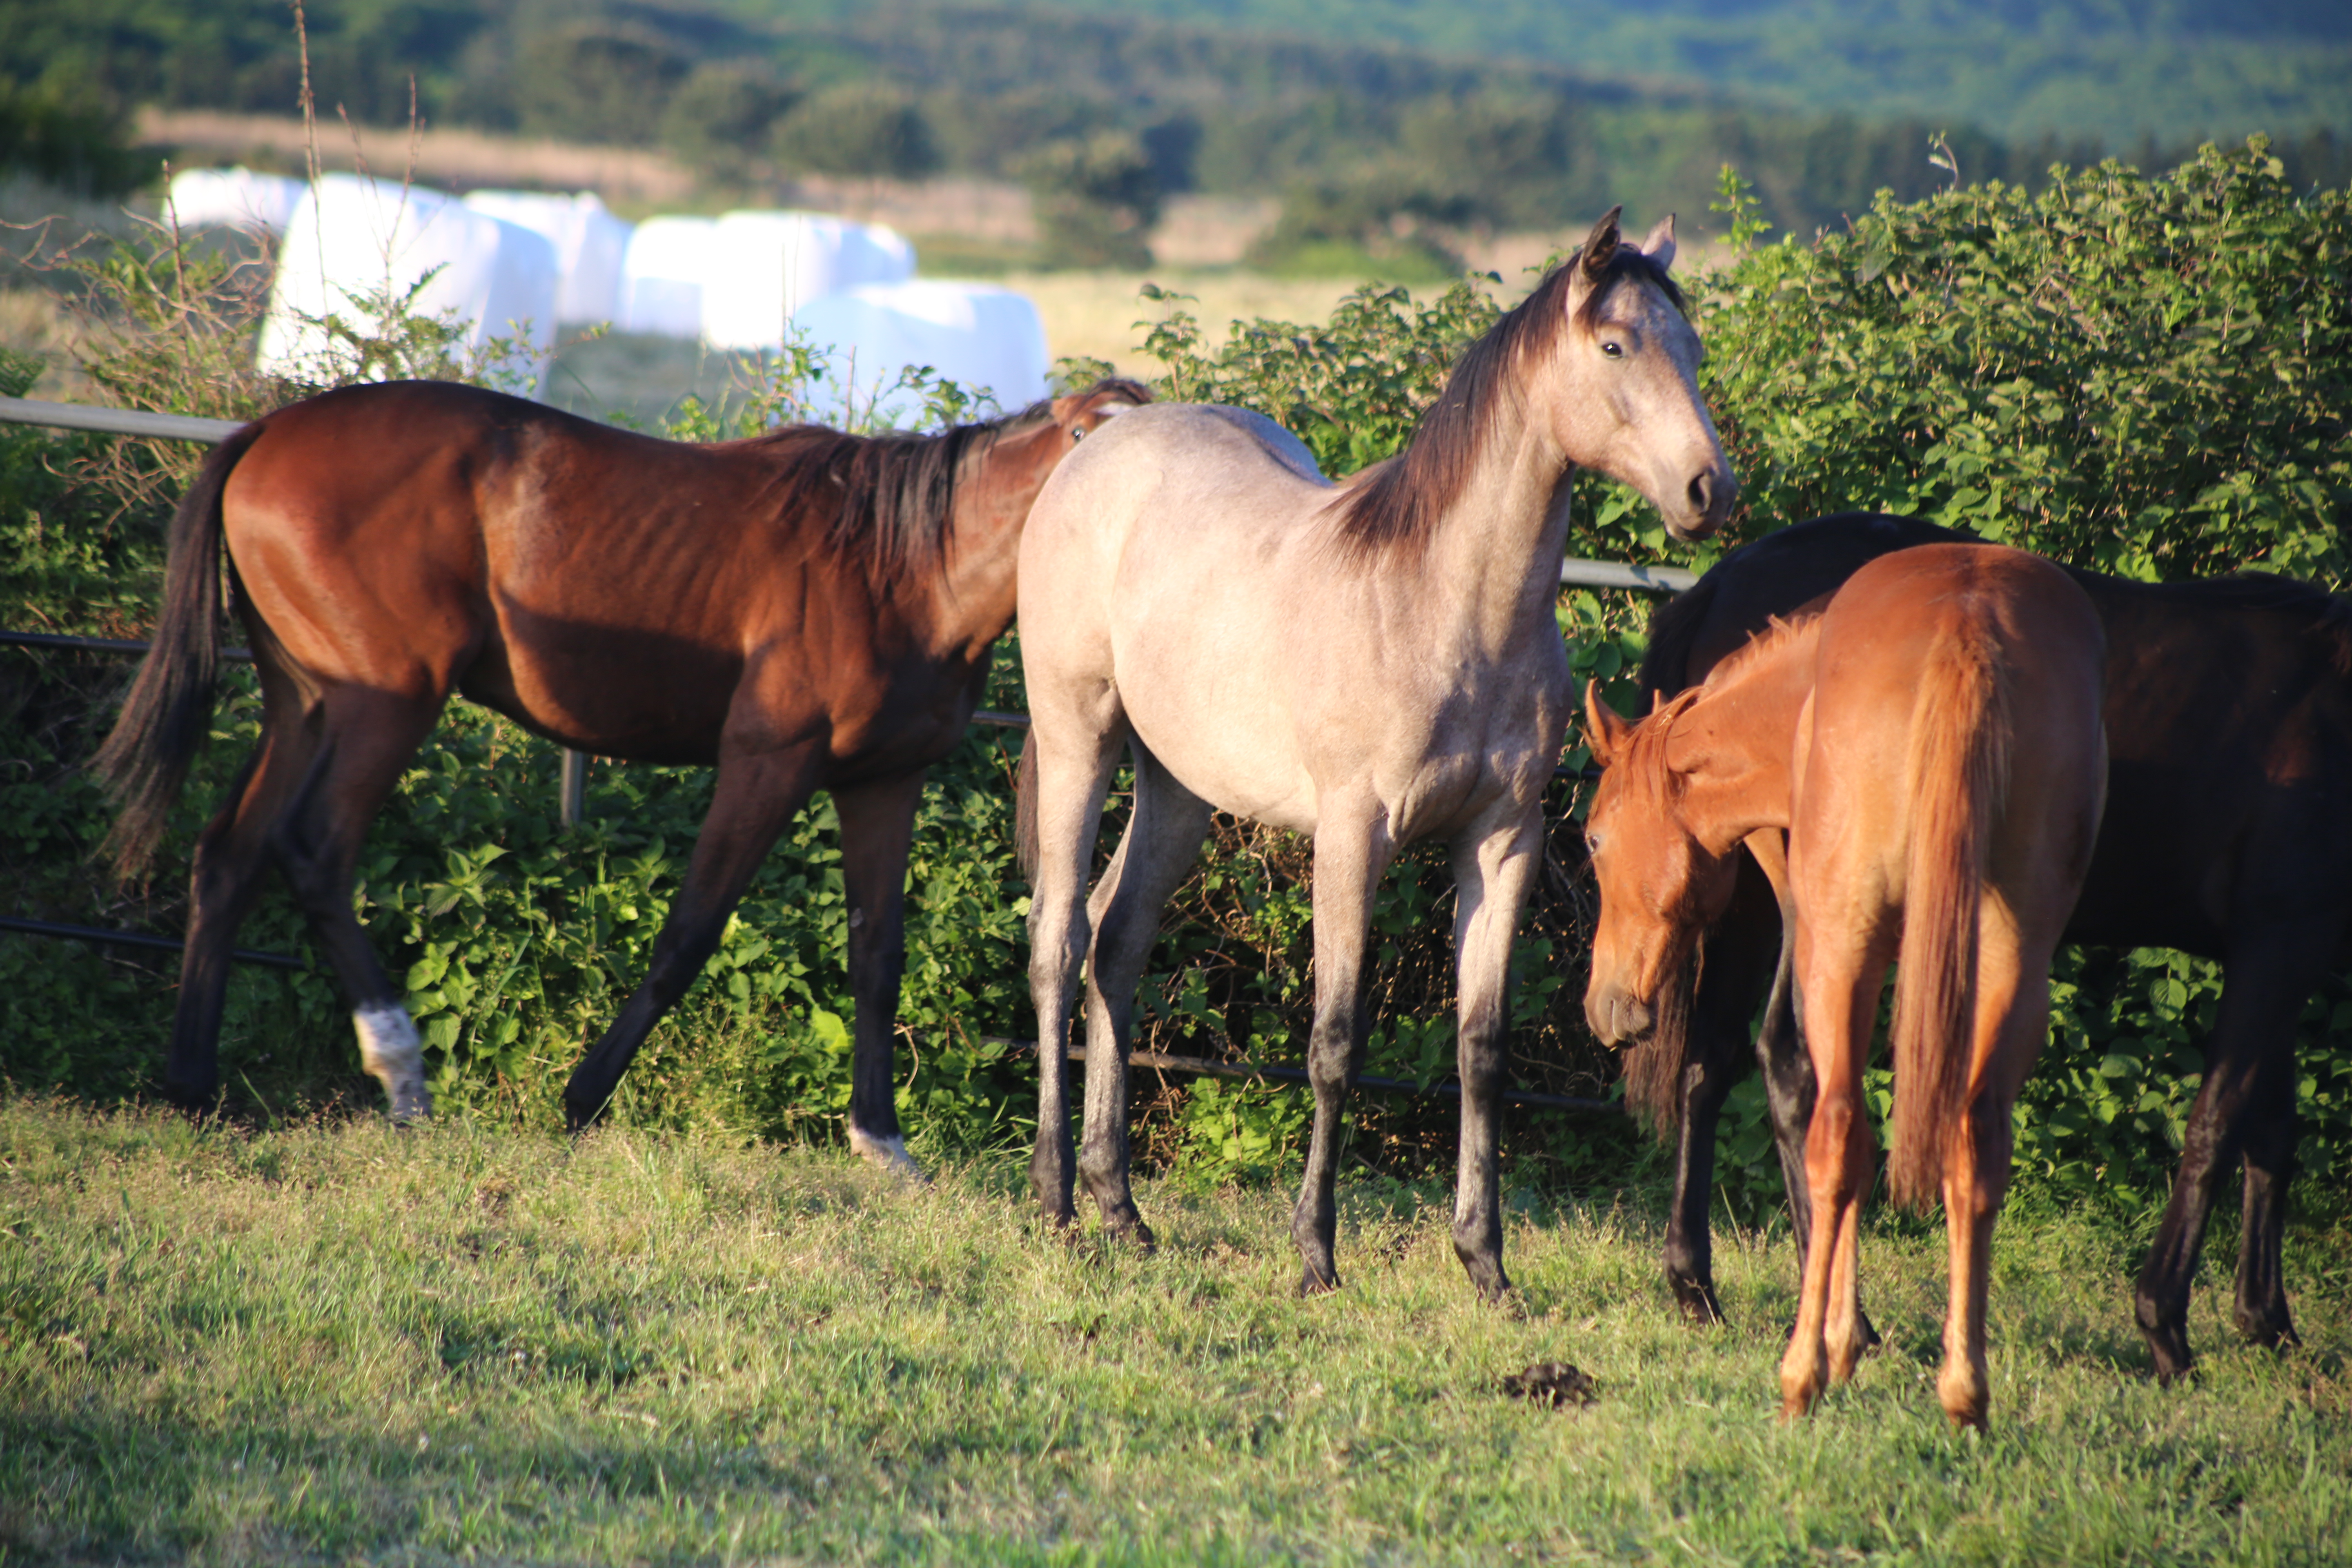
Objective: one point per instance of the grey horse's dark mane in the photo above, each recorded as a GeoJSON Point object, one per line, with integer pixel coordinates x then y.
{"type": "Point", "coordinates": [1400, 503]}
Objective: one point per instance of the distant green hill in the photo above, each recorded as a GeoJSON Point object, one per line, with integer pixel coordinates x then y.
{"type": "Point", "coordinates": [1387, 125]}
{"type": "Point", "coordinates": [2119, 71]}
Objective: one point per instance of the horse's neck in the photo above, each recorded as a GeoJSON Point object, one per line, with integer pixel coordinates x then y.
{"type": "Point", "coordinates": [1495, 555]}
{"type": "Point", "coordinates": [1733, 748]}
{"type": "Point", "coordinates": [972, 600]}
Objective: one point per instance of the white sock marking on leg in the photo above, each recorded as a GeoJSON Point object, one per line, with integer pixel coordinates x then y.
{"type": "Point", "coordinates": [389, 1050]}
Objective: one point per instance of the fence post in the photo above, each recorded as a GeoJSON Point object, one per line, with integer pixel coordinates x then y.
{"type": "Point", "coordinates": [575, 786]}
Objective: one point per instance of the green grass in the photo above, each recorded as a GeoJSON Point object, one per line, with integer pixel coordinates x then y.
{"type": "Point", "coordinates": [336, 1342]}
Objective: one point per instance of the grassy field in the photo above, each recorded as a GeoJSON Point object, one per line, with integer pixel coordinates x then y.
{"type": "Point", "coordinates": [339, 1342]}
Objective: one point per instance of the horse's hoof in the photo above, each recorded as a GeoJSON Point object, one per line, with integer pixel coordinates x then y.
{"type": "Point", "coordinates": [1696, 1300]}
{"type": "Point", "coordinates": [1865, 1337]}
{"type": "Point", "coordinates": [1134, 1234]}
{"type": "Point", "coordinates": [1315, 1282]}
{"type": "Point", "coordinates": [2272, 1332]}
{"type": "Point", "coordinates": [886, 1154]}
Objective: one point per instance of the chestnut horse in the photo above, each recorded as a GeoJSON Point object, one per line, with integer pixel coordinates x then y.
{"type": "Point", "coordinates": [807, 609]}
{"type": "Point", "coordinates": [1370, 664]}
{"type": "Point", "coordinates": [1931, 743]}
{"type": "Point", "coordinates": [2228, 834]}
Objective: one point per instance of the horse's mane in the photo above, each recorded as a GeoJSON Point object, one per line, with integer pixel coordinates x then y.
{"type": "Point", "coordinates": [890, 499]}
{"type": "Point", "coordinates": [1400, 501]}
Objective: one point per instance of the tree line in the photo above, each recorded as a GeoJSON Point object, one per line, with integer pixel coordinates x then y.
{"type": "Point", "coordinates": [1379, 154]}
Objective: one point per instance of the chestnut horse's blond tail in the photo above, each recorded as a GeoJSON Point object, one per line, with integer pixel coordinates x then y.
{"type": "Point", "coordinates": [1957, 777]}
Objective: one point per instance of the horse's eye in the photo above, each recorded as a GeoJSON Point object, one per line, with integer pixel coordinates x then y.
{"type": "Point", "coordinates": [1592, 844]}
{"type": "Point", "coordinates": [1077, 433]}
{"type": "Point", "coordinates": [1614, 350]}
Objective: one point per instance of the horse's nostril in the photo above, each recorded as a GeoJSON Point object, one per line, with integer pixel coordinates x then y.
{"type": "Point", "coordinates": [1702, 491]}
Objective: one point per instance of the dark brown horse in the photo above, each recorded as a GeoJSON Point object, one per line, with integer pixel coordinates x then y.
{"type": "Point", "coordinates": [1930, 743]}
{"type": "Point", "coordinates": [2228, 834]}
{"type": "Point", "coordinates": [807, 609]}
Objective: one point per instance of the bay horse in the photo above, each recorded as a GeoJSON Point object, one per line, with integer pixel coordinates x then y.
{"type": "Point", "coordinates": [807, 609]}
{"type": "Point", "coordinates": [1369, 664]}
{"type": "Point", "coordinates": [1931, 743]}
{"type": "Point", "coordinates": [2228, 834]}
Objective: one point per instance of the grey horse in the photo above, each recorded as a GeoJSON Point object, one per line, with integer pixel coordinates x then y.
{"type": "Point", "coordinates": [1372, 664]}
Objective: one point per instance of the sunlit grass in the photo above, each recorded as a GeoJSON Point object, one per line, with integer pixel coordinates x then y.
{"type": "Point", "coordinates": [339, 1342]}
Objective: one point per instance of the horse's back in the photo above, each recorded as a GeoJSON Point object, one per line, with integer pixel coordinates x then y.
{"type": "Point", "coordinates": [2018, 646]}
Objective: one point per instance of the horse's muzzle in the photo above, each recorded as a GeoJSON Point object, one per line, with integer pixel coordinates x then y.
{"type": "Point", "coordinates": [1707, 498]}
{"type": "Point", "coordinates": [1616, 1015]}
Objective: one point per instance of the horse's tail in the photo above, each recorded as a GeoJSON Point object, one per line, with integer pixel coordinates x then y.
{"type": "Point", "coordinates": [1957, 777]}
{"type": "Point", "coordinates": [168, 714]}
{"type": "Point", "coordinates": [1024, 808]}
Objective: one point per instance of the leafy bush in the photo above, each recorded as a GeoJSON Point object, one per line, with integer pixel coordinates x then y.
{"type": "Point", "coordinates": [1095, 200]}
{"type": "Point", "coordinates": [859, 129]}
{"type": "Point", "coordinates": [68, 140]}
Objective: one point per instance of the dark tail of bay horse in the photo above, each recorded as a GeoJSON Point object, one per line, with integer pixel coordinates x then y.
{"type": "Point", "coordinates": [168, 714]}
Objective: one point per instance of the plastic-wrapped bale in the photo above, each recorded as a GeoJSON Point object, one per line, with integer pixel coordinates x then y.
{"type": "Point", "coordinates": [589, 241]}
{"type": "Point", "coordinates": [233, 198]}
{"type": "Point", "coordinates": [975, 334]}
{"type": "Point", "coordinates": [353, 240]}
{"type": "Point", "coordinates": [662, 276]}
{"type": "Point", "coordinates": [766, 265]}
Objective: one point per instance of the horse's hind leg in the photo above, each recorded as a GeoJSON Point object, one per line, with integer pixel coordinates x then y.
{"type": "Point", "coordinates": [1348, 859]}
{"type": "Point", "coordinates": [758, 792]}
{"type": "Point", "coordinates": [366, 738]}
{"type": "Point", "coordinates": [1163, 841]}
{"type": "Point", "coordinates": [878, 826]}
{"type": "Point", "coordinates": [1842, 983]}
{"type": "Point", "coordinates": [1070, 781]}
{"type": "Point", "coordinates": [2013, 1019]}
{"type": "Point", "coordinates": [2266, 980]}
{"type": "Point", "coordinates": [1492, 874]}
{"type": "Point", "coordinates": [2260, 1313]}
{"type": "Point", "coordinates": [229, 857]}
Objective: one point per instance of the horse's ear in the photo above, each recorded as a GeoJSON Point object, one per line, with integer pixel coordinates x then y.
{"type": "Point", "coordinates": [1659, 244]}
{"type": "Point", "coordinates": [1601, 244]}
{"type": "Point", "coordinates": [1604, 731]}
{"type": "Point", "coordinates": [1083, 411]}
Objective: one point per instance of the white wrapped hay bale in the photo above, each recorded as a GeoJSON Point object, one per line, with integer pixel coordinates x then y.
{"type": "Point", "coordinates": [351, 239]}
{"type": "Point", "coordinates": [590, 246]}
{"type": "Point", "coordinates": [662, 276]}
{"type": "Point", "coordinates": [234, 198]}
{"type": "Point", "coordinates": [977, 335]}
{"type": "Point", "coordinates": [765, 266]}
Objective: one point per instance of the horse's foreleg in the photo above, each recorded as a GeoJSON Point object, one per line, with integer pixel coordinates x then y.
{"type": "Point", "coordinates": [1492, 874]}
{"type": "Point", "coordinates": [1163, 841]}
{"type": "Point", "coordinates": [1740, 952]}
{"type": "Point", "coordinates": [1349, 860]}
{"type": "Point", "coordinates": [1070, 781]}
{"type": "Point", "coordinates": [757, 794]}
{"type": "Point", "coordinates": [368, 737]}
{"type": "Point", "coordinates": [2249, 1073]}
{"type": "Point", "coordinates": [877, 828]}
